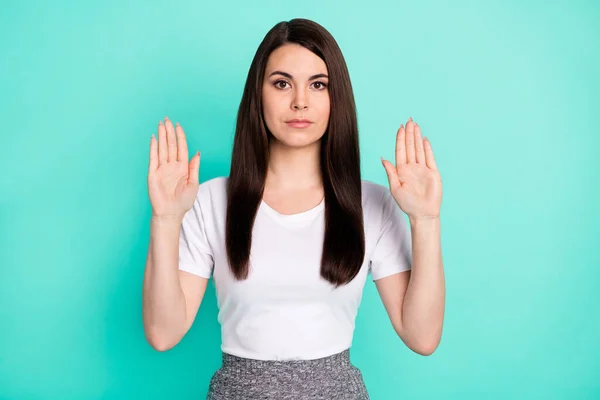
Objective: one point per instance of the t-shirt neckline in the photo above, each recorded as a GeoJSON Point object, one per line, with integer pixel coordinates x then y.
{"type": "Point", "coordinates": [301, 216]}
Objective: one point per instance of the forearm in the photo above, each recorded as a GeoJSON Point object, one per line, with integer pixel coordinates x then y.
{"type": "Point", "coordinates": [424, 301]}
{"type": "Point", "coordinates": [163, 300]}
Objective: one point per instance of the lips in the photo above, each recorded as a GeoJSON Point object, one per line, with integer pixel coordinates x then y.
{"type": "Point", "coordinates": [298, 123]}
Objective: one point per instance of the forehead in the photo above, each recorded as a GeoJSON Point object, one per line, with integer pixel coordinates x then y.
{"type": "Point", "coordinates": [296, 60]}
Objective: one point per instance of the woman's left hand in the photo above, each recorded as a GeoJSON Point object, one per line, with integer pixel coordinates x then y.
{"type": "Point", "coordinates": [415, 182]}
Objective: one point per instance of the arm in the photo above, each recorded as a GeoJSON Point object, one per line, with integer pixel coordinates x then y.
{"type": "Point", "coordinates": [170, 298]}
{"type": "Point", "coordinates": [415, 300]}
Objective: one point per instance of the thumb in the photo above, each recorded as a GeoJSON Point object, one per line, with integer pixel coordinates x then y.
{"type": "Point", "coordinates": [392, 174]}
{"type": "Point", "coordinates": [194, 168]}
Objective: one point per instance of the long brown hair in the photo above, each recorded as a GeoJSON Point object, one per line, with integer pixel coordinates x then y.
{"type": "Point", "coordinates": [344, 241]}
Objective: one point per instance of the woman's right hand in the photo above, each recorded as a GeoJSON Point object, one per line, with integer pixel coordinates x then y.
{"type": "Point", "coordinates": [172, 181]}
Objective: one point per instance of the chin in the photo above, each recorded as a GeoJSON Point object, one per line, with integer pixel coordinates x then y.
{"type": "Point", "coordinates": [293, 137]}
{"type": "Point", "coordinates": [297, 139]}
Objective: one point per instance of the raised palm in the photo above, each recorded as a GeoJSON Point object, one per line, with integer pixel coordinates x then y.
{"type": "Point", "coordinates": [415, 181]}
{"type": "Point", "coordinates": [172, 180]}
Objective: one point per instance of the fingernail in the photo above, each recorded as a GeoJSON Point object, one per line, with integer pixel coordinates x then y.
{"type": "Point", "coordinates": [167, 118]}
{"type": "Point", "coordinates": [160, 122]}
{"type": "Point", "coordinates": [410, 118]}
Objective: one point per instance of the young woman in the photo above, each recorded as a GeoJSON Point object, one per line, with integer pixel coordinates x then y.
{"type": "Point", "coordinates": [291, 234]}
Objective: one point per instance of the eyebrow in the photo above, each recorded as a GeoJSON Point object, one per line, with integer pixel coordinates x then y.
{"type": "Point", "coordinates": [290, 76]}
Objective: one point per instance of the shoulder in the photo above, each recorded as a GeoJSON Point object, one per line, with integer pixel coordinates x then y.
{"type": "Point", "coordinates": [374, 194]}
{"type": "Point", "coordinates": [213, 191]}
{"type": "Point", "coordinates": [379, 206]}
{"type": "Point", "coordinates": [216, 185]}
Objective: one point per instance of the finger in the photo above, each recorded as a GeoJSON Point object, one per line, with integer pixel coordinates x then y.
{"type": "Point", "coordinates": [420, 154]}
{"type": "Point", "coordinates": [153, 165]}
{"type": "Point", "coordinates": [429, 154]}
{"type": "Point", "coordinates": [401, 146]}
{"type": "Point", "coordinates": [162, 143]}
{"type": "Point", "coordinates": [182, 147]}
{"type": "Point", "coordinates": [410, 141]}
{"type": "Point", "coordinates": [391, 173]}
{"type": "Point", "coordinates": [171, 140]}
{"type": "Point", "coordinates": [194, 168]}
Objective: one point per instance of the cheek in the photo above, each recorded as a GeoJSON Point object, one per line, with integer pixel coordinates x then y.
{"type": "Point", "coordinates": [324, 110]}
{"type": "Point", "coordinates": [271, 108]}
{"type": "Point", "coordinates": [268, 112]}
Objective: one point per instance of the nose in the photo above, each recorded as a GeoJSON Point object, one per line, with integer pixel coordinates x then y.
{"type": "Point", "coordinates": [300, 101]}
{"type": "Point", "coordinates": [299, 106]}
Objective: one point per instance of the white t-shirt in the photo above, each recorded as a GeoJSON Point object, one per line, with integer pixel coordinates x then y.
{"type": "Point", "coordinates": [285, 310]}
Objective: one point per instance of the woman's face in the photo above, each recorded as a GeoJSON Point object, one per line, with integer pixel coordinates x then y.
{"type": "Point", "coordinates": [295, 87]}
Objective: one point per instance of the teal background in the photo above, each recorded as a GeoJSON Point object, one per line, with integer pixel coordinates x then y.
{"type": "Point", "coordinates": [507, 92]}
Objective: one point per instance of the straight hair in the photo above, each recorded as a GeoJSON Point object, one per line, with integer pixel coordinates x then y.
{"type": "Point", "coordinates": [344, 240]}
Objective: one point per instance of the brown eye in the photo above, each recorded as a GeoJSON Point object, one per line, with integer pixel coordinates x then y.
{"type": "Point", "coordinates": [322, 85]}
{"type": "Point", "coordinates": [278, 82]}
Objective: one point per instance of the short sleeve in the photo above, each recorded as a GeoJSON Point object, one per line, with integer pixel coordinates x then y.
{"type": "Point", "coordinates": [195, 253]}
{"type": "Point", "coordinates": [393, 249]}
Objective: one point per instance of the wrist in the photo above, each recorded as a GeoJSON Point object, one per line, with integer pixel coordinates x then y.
{"type": "Point", "coordinates": [166, 219]}
{"type": "Point", "coordinates": [424, 220]}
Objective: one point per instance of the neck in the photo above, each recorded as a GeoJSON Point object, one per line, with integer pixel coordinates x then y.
{"type": "Point", "coordinates": [293, 168]}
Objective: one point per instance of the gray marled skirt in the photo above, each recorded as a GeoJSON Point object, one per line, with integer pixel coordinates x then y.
{"type": "Point", "coordinates": [331, 378]}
